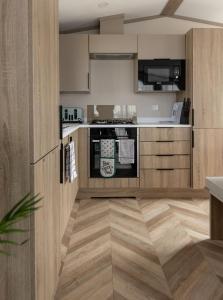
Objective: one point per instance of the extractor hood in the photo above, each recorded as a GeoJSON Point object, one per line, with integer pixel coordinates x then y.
{"type": "Point", "coordinates": [112, 25]}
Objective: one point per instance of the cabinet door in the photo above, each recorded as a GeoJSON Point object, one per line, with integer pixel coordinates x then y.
{"type": "Point", "coordinates": [112, 43]}
{"type": "Point", "coordinates": [207, 77]}
{"type": "Point", "coordinates": [161, 46]}
{"type": "Point", "coordinates": [68, 190]}
{"type": "Point", "coordinates": [207, 155]}
{"type": "Point", "coordinates": [74, 63]}
{"type": "Point", "coordinates": [47, 225]}
{"type": "Point", "coordinates": [45, 78]}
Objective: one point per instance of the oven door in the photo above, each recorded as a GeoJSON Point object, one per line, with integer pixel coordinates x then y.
{"type": "Point", "coordinates": [122, 170]}
{"type": "Point", "coordinates": [156, 75]}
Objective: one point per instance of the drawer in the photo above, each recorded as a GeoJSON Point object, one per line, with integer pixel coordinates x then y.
{"type": "Point", "coordinates": [176, 178]}
{"type": "Point", "coordinates": [165, 162]}
{"type": "Point", "coordinates": [165, 134]}
{"type": "Point", "coordinates": [154, 148]}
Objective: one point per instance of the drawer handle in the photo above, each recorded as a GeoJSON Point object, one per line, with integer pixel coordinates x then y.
{"type": "Point", "coordinates": [170, 141]}
{"type": "Point", "coordinates": [165, 154]}
{"type": "Point", "coordinates": [164, 169]}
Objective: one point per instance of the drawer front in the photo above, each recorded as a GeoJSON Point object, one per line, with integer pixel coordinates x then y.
{"type": "Point", "coordinates": [154, 148]}
{"type": "Point", "coordinates": [177, 178]}
{"type": "Point", "coordinates": [165, 162]}
{"type": "Point", "coordinates": [165, 134]}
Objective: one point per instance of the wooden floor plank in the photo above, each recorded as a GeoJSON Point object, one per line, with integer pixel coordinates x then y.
{"type": "Point", "coordinates": [140, 249]}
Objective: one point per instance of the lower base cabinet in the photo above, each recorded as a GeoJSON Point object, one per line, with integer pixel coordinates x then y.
{"type": "Point", "coordinates": [46, 225]}
{"type": "Point", "coordinates": [176, 178]}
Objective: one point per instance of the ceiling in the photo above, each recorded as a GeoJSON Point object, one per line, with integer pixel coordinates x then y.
{"type": "Point", "coordinates": [75, 14]}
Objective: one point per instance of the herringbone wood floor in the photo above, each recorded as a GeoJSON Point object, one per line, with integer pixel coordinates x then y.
{"type": "Point", "coordinates": [137, 249]}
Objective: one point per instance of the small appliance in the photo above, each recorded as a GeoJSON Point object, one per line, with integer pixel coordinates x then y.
{"type": "Point", "coordinates": [72, 114]}
{"type": "Point", "coordinates": [162, 75]}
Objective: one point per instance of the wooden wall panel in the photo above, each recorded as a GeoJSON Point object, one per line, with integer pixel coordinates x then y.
{"type": "Point", "coordinates": [45, 76]}
{"type": "Point", "coordinates": [15, 283]}
{"type": "Point", "coordinates": [47, 226]}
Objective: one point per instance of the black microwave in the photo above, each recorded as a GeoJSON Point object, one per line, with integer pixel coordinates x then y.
{"type": "Point", "coordinates": [166, 75]}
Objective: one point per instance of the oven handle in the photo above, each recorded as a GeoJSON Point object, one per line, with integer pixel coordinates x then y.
{"type": "Point", "coordinates": [98, 141]}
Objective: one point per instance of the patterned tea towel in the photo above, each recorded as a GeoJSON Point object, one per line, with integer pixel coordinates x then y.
{"type": "Point", "coordinates": [107, 167]}
{"type": "Point", "coordinates": [107, 148]}
{"type": "Point", "coordinates": [70, 162]}
{"type": "Point", "coordinates": [126, 151]}
{"type": "Point", "coordinates": [107, 160]}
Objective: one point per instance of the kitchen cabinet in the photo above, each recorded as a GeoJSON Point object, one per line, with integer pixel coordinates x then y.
{"type": "Point", "coordinates": [205, 70]}
{"type": "Point", "coordinates": [68, 189]}
{"type": "Point", "coordinates": [112, 43]}
{"type": "Point", "coordinates": [205, 89]}
{"type": "Point", "coordinates": [161, 46]}
{"type": "Point", "coordinates": [165, 157]}
{"type": "Point", "coordinates": [74, 63]}
{"type": "Point", "coordinates": [207, 155]}
{"type": "Point", "coordinates": [44, 106]}
{"type": "Point", "coordinates": [46, 225]}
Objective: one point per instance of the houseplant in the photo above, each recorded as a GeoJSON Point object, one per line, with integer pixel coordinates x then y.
{"type": "Point", "coordinates": [22, 210]}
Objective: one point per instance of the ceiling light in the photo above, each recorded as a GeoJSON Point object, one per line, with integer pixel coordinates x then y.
{"type": "Point", "coordinates": [103, 4]}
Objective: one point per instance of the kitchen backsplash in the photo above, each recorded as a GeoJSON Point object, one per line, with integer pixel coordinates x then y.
{"type": "Point", "coordinates": [112, 82]}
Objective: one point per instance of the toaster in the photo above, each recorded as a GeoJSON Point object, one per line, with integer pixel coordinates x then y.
{"type": "Point", "coordinates": [72, 115]}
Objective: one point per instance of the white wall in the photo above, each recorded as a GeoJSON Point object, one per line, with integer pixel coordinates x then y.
{"type": "Point", "coordinates": [112, 81]}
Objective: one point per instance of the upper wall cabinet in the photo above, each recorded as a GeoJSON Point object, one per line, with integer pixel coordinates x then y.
{"type": "Point", "coordinates": [161, 46]}
{"type": "Point", "coordinates": [113, 43]}
{"type": "Point", "coordinates": [74, 63]}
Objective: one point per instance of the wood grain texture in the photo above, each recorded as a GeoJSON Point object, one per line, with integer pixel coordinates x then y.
{"type": "Point", "coordinates": [165, 162]}
{"type": "Point", "coordinates": [44, 60]}
{"type": "Point", "coordinates": [164, 134]}
{"type": "Point", "coordinates": [207, 98]}
{"type": "Point", "coordinates": [142, 249]}
{"type": "Point", "coordinates": [207, 155]}
{"type": "Point", "coordinates": [216, 220]}
{"type": "Point", "coordinates": [152, 46]}
{"type": "Point", "coordinates": [68, 190]}
{"type": "Point", "coordinates": [15, 283]}
{"type": "Point", "coordinates": [47, 237]}
{"type": "Point", "coordinates": [171, 7]}
{"type": "Point", "coordinates": [175, 178]}
{"type": "Point", "coordinates": [173, 147]}
{"type": "Point", "coordinates": [74, 63]}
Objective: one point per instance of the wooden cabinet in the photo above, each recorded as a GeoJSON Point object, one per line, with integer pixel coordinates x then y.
{"type": "Point", "coordinates": [74, 63]}
{"type": "Point", "coordinates": [161, 46]}
{"type": "Point", "coordinates": [207, 155]}
{"type": "Point", "coordinates": [68, 189]}
{"type": "Point", "coordinates": [112, 43]}
{"type": "Point", "coordinates": [205, 89]}
{"type": "Point", "coordinates": [46, 224]}
{"type": "Point", "coordinates": [45, 78]}
{"type": "Point", "coordinates": [205, 74]}
{"type": "Point", "coordinates": [165, 157]}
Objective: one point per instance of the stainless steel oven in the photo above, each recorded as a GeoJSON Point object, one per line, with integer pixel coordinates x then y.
{"type": "Point", "coordinates": [128, 170]}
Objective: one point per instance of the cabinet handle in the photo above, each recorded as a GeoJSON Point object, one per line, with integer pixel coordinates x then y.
{"type": "Point", "coordinates": [192, 139]}
{"type": "Point", "coordinates": [165, 154]}
{"type": "Point", "coordinates": [164, 169]}
{"type": "Point", "coordinates": [61, 162]}
{"type": "Point", "coordinates": [170, 141]}
{"type": "Point", "coordinates": [88, 80]}
{"type": "Point", "coordinates": [192, 117]}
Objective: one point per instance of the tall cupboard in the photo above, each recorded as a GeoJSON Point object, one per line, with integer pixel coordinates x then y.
{"type": "Point", "coordinates": [205, 89]}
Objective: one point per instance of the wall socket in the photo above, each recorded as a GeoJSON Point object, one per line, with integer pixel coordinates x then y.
{"type": "Point", "coordinates": [155, 107]}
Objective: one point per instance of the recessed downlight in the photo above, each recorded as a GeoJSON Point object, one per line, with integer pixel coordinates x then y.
{"type": "Point", "coordinates": [103, 4]}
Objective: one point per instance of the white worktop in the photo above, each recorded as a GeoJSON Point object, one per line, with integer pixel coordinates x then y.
{"type": "Point", "coordinates": [70, 128]}
{"type": "Point", "coordinates": [215, 186]}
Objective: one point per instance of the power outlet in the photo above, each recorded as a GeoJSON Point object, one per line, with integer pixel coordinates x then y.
{"type": "Point", "coordinates": [155, 107]}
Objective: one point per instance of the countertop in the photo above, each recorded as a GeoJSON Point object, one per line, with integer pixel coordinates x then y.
{"type": "Point", "coordinates": [215, 186]}
{"type": "Point", "coordinates": [70, 128]}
